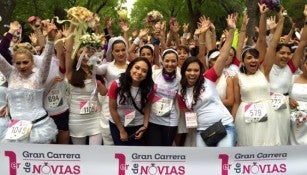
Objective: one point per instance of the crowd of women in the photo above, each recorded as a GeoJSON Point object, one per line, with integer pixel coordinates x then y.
{"type": "Point", "coordinates": [157, 87]}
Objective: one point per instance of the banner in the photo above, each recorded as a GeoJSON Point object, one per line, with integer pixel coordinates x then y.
{"type": "Point", "coordinates": [23, 159]}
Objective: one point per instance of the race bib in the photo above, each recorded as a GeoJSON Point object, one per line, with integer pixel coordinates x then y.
{"type": "Point", "coordinates": [255, 112]}
{"type": "Point", "coordinates": [278, 101]}
{"type": "Point", "coordinates": [86, 107]}
{"type": "Point", "coordinates": [2, 79]}
{"type": "Point", "coordinates": [129, 116]}
{"type": "Point", "coordinates": [191, 119]}
{"type": "Point", "coordinates": [161, 106]}
{"type": "Point", "coordinates": [54, 98]}
{"type": "Point", "coordinates": [18, 130]}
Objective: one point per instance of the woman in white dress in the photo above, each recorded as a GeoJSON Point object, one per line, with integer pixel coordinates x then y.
{"type": "Point", "coordinates": [84, 117]}
{"type": "Point", "coordinates": [25, 94]}
{"type": "Point", "coordinates": [255, 119]}
{"type": "Point", "coordinates": [298, 129]}
{"type": "Point", "coordinates": [280, 82]}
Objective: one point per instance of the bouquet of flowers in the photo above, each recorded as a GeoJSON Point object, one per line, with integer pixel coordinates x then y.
{"type": "Point", "coordinates": [271, 4]}
{"type": "Point", "coordinates": [92, 40]}
{"type": "Point", "coordinates": [153, 17]}
{"type": "Point", "coordinates": [82, 15]}
{"type": "Point", "coordinates": [122, 13]}
{"type": "Point", "coordinates": [299, 117]}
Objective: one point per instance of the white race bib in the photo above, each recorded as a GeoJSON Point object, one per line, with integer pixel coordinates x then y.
{"type": "Point", "coordinates": [18, 130]}
{"type": "Point", "coordinates": [191, 119]}
{"type": "Point", "coordinates": [129, 116]}
{"type": "Point", "coordinates": [54, 98]}
{"type": "Point", "coordinates": [161, 106]}
{"type": "Point", "coordinates": [255, 112]}
{"type": "Point", "coordinates": [86, 107]}
{"type": "Point", "coordinates": [278, 101]}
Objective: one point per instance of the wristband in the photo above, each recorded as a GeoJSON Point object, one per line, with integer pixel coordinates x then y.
{"type": "Point", "coordinates": [305, 23]}
{"type": "Point", "coordinates": [136, 41]}
{"type": "Point", "coordinates": [156, 42]}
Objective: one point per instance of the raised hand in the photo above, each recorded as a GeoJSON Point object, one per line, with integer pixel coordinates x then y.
{"type": "Point", "coordinates": [231, 21]}
{"type": "Point", "coordinates": [143, 32]}
{"type": "Point", "coordinates": [185, 28]}
{"type": "Point", "coordinates": [263, 8]}
{"type": "Point", "coordinates": [50, 28]}
{"type": "Point", "coordinates": [33, 38]}
{"type": "Point", "coordinates": [124, 26]}
{"type": "Point", "coordinates": [271, 22]}
{"type": "Point", "coordinates": [204, 24]}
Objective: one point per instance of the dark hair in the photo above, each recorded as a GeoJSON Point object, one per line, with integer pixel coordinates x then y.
{"type": "Point", "coordinates": [254, 52]}
{"type": "Point", "coordinates": [125, 81]}
{"type": "Point", "coordinates": [194, 51]}
{"type": "Point", "coordinates": [281, 45]}
{"type": "Point", "coordinates": [183, 47]}
{"type": "Point", "coordinates": [234, 52]}
{"type": "Point", "coordinates": [147, 47]}
{"type": "Point", "coordinates": [77, 76]}
{"type": "Point", "coordinates": [116, 42]}
{"type": "Point", "coordinates": [199, 85]}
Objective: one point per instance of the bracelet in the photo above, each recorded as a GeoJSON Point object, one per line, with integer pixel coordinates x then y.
{"type": "Point", "coordinates": [136, 41]}
{"type": "Point", "coordinates": [202, 43]}
{"type": "Point", "coordinates": [156, 42]}
{"type": "Point", "coordinates": [305, 23]}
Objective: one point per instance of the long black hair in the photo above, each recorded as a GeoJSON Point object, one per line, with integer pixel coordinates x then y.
{"type": "Point", "coordinates": [125, 81]}
{"type": "Point", "coordinates": [199, 85]}
{"type": "Point", "coordinates": [77, 76]}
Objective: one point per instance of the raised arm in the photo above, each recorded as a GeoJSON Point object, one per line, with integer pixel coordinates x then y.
{"type": "Point", "coordinates": [261, 42]}
{"type": "Point", "coordinates": [271, 51]}
{"type": "Point", "coordinates": [69, 43]}
{"type": "Point", "coordinates": [299, 52]}
{"type": "Point", "coordinates": [203, 26]}
{"type": "Point", "coordinates": [221, 60]}
{"type": "Point", "coordinates": [136, 42]}
{"type": "Point", "coordinates": [49, 50]}
{"type": "Point", "coordinates": [6, 40]}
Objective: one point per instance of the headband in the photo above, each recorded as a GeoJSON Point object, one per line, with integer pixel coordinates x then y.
{"type": "Point", "coordinates": [169, 50]}
{"type": "Point", "coordinates": [111, 42]}
{"type": "Point", "coordinates": [212, 55]}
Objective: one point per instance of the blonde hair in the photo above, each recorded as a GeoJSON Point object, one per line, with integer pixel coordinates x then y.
{"type": "Point", "coordinates": [23, 48]}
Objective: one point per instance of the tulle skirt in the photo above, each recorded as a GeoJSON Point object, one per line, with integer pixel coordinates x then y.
{"type": "Point", "coordinates": [44, 131]}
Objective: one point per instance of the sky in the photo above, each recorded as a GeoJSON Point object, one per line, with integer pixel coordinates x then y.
{"type": "Point", "coordinates": [129, 5]}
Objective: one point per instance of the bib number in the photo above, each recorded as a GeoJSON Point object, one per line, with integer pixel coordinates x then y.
{"type": "Point", "coordinates": [86, 107]}
{"type": "Point", "coordinates": [191, 119]}
{"type": "Point", "coordinates": [54, 98]}
{"type": "Point", "coordinates": [18, 130]}
{"type": "Point", "coordinates": [129, 116]}
{"type": "Point", "coordinates": [278, 101]}
{"type": "Point", "coordinates": [161, 106]}
{"type": "Point", "coordinates": [255, 112]}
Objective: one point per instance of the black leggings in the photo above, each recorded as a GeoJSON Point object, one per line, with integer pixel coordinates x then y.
{"type": "Point", "coordinates": [160, 135]}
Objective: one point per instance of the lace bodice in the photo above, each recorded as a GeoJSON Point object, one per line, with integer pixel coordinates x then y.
{"type": "Point", "coordinates": [33, 81]}
{"type": "Point", "coordinates": [254, 88]}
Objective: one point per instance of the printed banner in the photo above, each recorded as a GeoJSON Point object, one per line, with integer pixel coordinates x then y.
{"type": "Point", "coordinates": [23, 159]}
